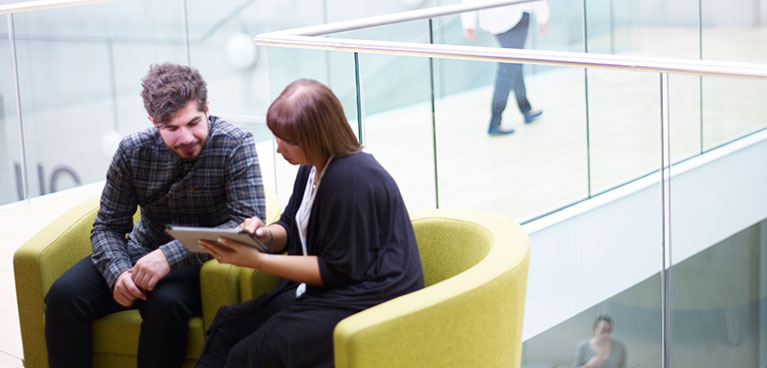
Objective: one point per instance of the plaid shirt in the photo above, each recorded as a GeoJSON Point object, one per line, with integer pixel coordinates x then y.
{"type": "Point", "coordinates": [221, 188]}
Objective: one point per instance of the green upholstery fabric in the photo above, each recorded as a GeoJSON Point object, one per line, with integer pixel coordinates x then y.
{"type": "Point", "coordinates": [65, 241]}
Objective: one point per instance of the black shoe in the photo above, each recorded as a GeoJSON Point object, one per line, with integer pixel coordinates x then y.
{"type": "Point", "coordinates": [498, 131]}
{"type": "Point", "coordinates": [532, 115]}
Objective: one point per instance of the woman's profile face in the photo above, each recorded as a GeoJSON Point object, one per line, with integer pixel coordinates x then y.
{"type": "Point", "coordinates": [603, 329]}
{"type": "Point", "coordinates": [292, 153]}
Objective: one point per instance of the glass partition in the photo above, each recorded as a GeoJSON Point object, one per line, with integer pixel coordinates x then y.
{"type": "Point", "coordinates": [222, 48]}
{"type": "Point", "coordinates": [76, 109]}
{"type": "Point", "coordinates": [732, 108]}
{"type": "Point", "coordinates": [624, 119]}
{"type": "Point", "coordinates": [718, 302]}
{"type": "Point", "coordinates": [401, 138]}
{"type": "Point", "coordinates": [11, 183]}
{"type": "Point", "coordinates": [512, 174]}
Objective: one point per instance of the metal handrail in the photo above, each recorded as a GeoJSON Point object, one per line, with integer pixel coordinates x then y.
{"type": "Point", "coordinates": [23, 6]}
{"type": "Point", "coordinates": [307, 37]}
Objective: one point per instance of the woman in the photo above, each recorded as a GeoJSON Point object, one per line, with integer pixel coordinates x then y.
{"type": "Point", "coordinates": [601, 350]}
{"type": "Point", "coordinates": [347, 236]}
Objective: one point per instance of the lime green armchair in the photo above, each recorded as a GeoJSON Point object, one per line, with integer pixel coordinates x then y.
{"type": "Point", "coordinates": [65, 241]}
{"type": "Point", "coordinates": [468, 315]}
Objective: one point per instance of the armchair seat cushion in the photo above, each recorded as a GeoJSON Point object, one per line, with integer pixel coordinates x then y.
{"type": "Point", "coordinates": [118, 333]}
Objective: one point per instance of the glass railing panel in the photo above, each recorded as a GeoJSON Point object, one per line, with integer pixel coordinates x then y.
{"type": "Point", "coordinates": [635, 328]}
{"type": "Point", "coordinates": [400, 136]}
{"type": "Point", "coordinates": [684, 116]}
{"type": "Point", "coordinates": [80, 71]}
{"type": "Point", "coordinates": [732, 108]}
{"type": "Point", "coordinates": [512, 174]}
{"type": "Point", "coordinates": [600, 262]}
{"type": "Point", "coordinates": [221, 46]}
{"type": "Point", "coordinates": [624, 134]}
{"type": "Point", "coordinates": [563, 32]}
{"type": "Point", "coordinates": [718, 301]}
{"type": "Point", "coordinates": [644, 28]}
{"type": "Point", "coordinates": [11, 187]}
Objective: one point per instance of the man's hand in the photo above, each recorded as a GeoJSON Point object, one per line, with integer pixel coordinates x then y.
{"type": "Point", "coordinates": [126, 292]}
{"type": "Point", "coordinates": [544, 28]}
{"type": "Point", "coordinates": [150, 269]}
{"type": "Point", "coordinates": [470, 33]}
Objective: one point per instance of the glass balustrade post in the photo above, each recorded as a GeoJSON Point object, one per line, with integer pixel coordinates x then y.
{"type": "Point", "coordinates": [187, 50]}
{"type": "Point", "coordinates": [360, 99]}
{"type": "Point", "coordinates": [586, 100]}
{"type": "Point", "coordinates": [700, 77]}
{"type": "Point", "coordinates": [665, 171]}
{"type": "Point", "coordinates": [762, 304]}
{"type": "Point", "coordinates": [433, 118]}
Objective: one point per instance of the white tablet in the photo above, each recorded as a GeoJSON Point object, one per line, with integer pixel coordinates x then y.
{"type": "Point", "coordinates": [190, 235]}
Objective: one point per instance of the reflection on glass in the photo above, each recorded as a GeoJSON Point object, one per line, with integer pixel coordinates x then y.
{"type": "Point", "coordinates": [621, 331]}
{"type": "Point", "coordinates": [719, 303]}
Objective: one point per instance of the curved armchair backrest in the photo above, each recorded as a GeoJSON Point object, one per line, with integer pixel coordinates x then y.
{"type": "Point", "coordinates": [449, 246]}
{"type": "Point", "coordinates": [469, 315]}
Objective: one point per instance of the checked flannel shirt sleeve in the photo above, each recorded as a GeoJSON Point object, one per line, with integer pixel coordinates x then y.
{"type": "Point", "coordinates": [244, 196]}
{"type": "Point", "coordinates": [113, 222]}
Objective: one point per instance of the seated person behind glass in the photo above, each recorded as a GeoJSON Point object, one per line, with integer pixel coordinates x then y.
{"type": "Point", "coordinates": [349, 241]}
{"type": "Point", "coordinates": [600, 350]}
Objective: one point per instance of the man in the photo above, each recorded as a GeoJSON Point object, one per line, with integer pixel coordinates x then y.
{"type": "Point", "coordinates": [190, 168]}
{"type": "Point", "coordinates": [509, 24]}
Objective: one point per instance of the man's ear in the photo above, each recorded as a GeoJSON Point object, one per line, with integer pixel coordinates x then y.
{"type": "Point", "coordinates": [207, 106]}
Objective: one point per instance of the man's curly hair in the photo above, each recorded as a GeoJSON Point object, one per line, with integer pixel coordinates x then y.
{"type": "Point", "coordinates": [169, 87]}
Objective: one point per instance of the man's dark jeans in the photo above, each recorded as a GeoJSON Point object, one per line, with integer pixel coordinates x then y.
{"type": "Point", "coordinates": [81, 295]}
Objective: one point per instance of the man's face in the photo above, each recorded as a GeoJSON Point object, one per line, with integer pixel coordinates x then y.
{"type": "Point", "coordinates": [186, 132]}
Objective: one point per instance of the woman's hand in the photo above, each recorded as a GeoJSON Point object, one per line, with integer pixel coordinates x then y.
{"type": "Point", "coordinates": [232, 252]}
{"type": "Point", "coordinates": [256, 227]}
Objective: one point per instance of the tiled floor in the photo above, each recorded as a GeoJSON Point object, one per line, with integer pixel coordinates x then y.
{"type": "Point", "coordinates": [539, 168]}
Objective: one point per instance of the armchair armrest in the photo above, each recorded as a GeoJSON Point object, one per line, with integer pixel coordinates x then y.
{"type": "Point", "coordinates": [223, 284]}
{"type": "Point", "coordinates": [219, 286]}
{"type": "Point", "coordinates": [254, 283]}
{"type": "Point", "coordinates": [39, 262]}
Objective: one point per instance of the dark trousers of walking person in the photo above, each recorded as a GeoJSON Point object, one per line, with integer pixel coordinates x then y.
{"type": "Point", "coordinates": [81, 295]}
{"type": "Point", "coordinates": [509, 75]}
